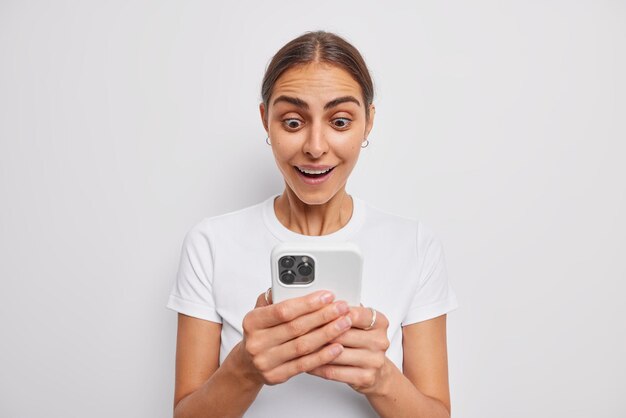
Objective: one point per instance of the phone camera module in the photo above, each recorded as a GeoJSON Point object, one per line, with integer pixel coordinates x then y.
{"type": "Point", "coordinates": [287, 277]}
{"type": "Point", "coordinates": [287, 262]}
{"type": "Point", "coordinates": [305, 269]}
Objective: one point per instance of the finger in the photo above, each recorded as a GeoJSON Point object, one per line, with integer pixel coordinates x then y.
{"type": "Point", "coordinates": [261, 302]}
{"type": "Point", "coordinates": [305, 344]}
{"type": "Point", "coordinates": [362, 318]}
{"type": "Point", "coordinates": [355, 376]}
{"type": "Point", "coordinates": [304, 324]}
{"type": "Point", "coordinates": [357, 357]}
{"type": "Point", "coordinates": [305, 363]}
{"type": "Point", "coordinates": [357, 338]}
{"type": "Point", "coordinates": [279, 334]}
{"type": "Point", "coordinates": [287, 310]}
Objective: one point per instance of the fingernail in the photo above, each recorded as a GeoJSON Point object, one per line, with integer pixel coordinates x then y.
{"type": "Point", "coordinates": [342, 307]}
{"type": "Point", "coordinates": [336, 349]}
{"type": "Point", "coordinates": [344, 323]}
{"type": "Point", "coordinates": [326, 297]}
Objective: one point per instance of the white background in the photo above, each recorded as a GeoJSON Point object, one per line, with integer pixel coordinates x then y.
{"type": "Point", "coordinates": [499, 124]}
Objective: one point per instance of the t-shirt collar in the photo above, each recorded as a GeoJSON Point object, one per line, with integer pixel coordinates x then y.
{"type": "Point", "coordinates": [285, 234]}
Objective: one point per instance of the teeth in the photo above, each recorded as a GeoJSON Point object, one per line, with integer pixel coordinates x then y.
{"type": "Point", "coordinates": [314, 171]}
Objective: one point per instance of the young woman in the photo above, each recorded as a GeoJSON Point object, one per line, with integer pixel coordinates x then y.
{"type": "Point", "coordinates": [312, 356]}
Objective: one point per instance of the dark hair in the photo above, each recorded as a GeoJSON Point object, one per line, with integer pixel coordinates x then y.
{"type": "Point", "coordinates": [319, 46]}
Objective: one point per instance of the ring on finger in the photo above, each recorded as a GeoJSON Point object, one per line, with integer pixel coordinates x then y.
{"type": "Point", "coordinates": [371, 325]}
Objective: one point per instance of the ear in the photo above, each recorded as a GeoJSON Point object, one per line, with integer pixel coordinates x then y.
{"type": "Point", "coordinates": [370, 121]}
{"type": "Point", "coordinates": [262, 110]}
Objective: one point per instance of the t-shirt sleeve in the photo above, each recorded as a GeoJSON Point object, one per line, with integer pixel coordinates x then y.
{"type": "Point", "coordinates": [192, 292]}
{"type": "Point", "coordinates": [434, 295]}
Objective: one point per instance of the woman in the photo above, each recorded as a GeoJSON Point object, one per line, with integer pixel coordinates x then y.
{"type": "Point", "coordinates": [312, 356]}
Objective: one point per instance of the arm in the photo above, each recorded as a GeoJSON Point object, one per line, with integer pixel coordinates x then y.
{"type": "Point", "coordinates": [279, 342]}
{"type": "Point", "coordinates": [422, 391]}
{"type": "Point", "coordinates": [203, 388]}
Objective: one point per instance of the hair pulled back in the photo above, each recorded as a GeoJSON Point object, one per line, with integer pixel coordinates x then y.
{"type": "Point", "coordinates": [314, 47]}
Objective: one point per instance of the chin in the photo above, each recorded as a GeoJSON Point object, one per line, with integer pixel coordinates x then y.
{"type": "Point", "coordinates": [318, 197]}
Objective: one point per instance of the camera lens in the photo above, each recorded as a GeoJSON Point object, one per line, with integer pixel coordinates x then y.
{"type": "Point", "coordinates": [305, 269]}
{"type": "Point", "coordinates": [287, 277]}
{"type": "Point", "coordinates": [287, 262]}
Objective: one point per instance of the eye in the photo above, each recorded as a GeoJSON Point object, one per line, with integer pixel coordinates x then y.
{"type": "Point", "coordinates": [341, 123]}
{"type": "Point", "coordinates": [292, 123]}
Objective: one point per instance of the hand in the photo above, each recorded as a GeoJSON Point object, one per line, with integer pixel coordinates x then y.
{"type": "Point", "coordinates": [291, 337]}
{"type": "Point", "coordinates": [363, 363]}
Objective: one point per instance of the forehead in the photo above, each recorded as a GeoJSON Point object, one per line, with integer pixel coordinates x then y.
{"type": "Point", "coordinates": [316, 80]}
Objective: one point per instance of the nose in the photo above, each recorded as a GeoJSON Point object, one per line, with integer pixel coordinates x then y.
{"type": "Point", "coordinates": [315, 145]}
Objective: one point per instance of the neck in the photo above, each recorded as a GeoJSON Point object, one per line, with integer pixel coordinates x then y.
{"type": "Point", "coordinates": [305, 219]}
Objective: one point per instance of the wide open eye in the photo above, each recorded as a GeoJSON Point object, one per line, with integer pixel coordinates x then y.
{"type": "Point", "coordinates": [292, 124]}
{"type": "Point", "coordinates": [341, 123]}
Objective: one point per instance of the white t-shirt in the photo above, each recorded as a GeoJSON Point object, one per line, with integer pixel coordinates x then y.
{"type": "Point", "coordinates": [224, 266]}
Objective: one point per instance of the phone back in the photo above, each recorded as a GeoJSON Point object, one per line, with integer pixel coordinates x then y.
{"type": "Point", "coordinates": [300, 268]}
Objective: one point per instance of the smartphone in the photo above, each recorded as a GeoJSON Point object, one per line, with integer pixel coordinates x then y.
{"type": "Point", "coordinates": [300, 268]}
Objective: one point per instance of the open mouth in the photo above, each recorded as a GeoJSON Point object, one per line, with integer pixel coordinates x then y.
{"type": "Point", "coordinates": [314, 174]}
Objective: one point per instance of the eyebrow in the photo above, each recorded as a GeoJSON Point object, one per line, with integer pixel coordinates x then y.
{"type": "Point", "coordinates": [304, 105]}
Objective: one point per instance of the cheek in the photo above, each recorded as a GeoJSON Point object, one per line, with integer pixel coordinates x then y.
{"type": "Point", "coordinates": [283, 150]}
{"type": "Point", "coordinates": [349, 151]}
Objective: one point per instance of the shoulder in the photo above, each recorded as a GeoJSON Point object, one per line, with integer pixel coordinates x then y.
{"type": "Point", "coordinates": [379, 216]}
{"type": "Point", "coordinates": [382, 220]}
{"type": "Point", "coordinates": [239, 223]}
{"type": "Point", "coordinates": [389, 224]}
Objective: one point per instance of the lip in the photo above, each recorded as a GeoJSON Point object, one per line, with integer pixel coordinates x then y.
{"type": "Point", "coordinates": [315, 167]}
{"type": "Point", "coordinates": [314, 181]}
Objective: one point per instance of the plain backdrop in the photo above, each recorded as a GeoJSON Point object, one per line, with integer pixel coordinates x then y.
{"type": "Point", "coordinates": [501, 125]}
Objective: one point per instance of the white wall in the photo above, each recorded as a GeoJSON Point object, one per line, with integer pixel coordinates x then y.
{"type": "Point", "coordinates": [500, 124]}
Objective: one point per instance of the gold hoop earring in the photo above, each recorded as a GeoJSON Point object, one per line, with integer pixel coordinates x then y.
{"type": "Point", "coordinates": [366, 142]}
{"type": "Point", "coordinates": [267, 141]}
